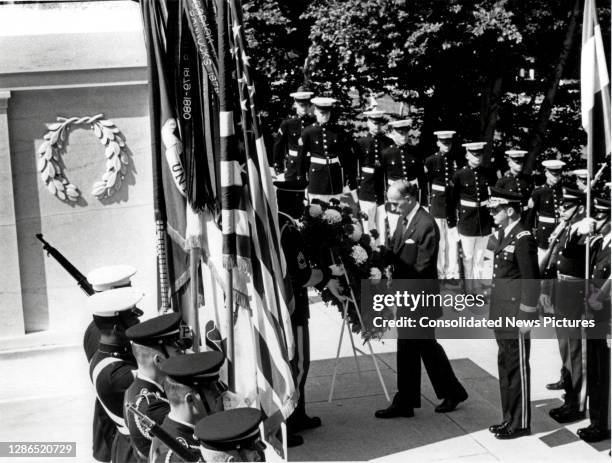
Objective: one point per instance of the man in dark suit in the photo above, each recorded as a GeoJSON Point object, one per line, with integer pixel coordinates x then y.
{"type": "Point", "coordinates": [413, 255]}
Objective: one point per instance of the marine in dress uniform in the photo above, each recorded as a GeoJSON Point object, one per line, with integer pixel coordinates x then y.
{"type": "Point", "coordinates": [372, 183]}
{"type": "Point", "coordinates": [287, 140]}
{"type": "Point", "coordinates": [413, 255]}
{"type": "Point", "coordinates": [514, 293]}
{"type": "Point", "coordinates": [543, 212]}
{"type": "Point", "coordinates": [332, 167]}
{"type": "Point", "coordinates": [598, 350]}
{"type": "Point", "coordinates": [515, 181]}
{"type": "Point", "coordinates": [470, 195]}
{"type": "Point", "coordinates": [581, 178]}
{"type": "Point", "coordinates": [401, 162]}
{"type": "Point", "coordinates": [568, 265]}
{"type": "Point", "coordinates": [192, 388]}
{"type": "Point", "coordinates": [439, 171]}
{"type": "Point", "coordinates": [102, 279]}
{"type": "Point", "coordinates": [113, 366]}
{"type": "Point", "coordinates": [153, 341]}
{"type": "Point", "coordinates": [232, 435]}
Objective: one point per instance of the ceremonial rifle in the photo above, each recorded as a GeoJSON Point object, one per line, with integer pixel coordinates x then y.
{"type": "Point", "coordinates": [71, 269]}
{"type": "Point", "coordinates": [155, 429]}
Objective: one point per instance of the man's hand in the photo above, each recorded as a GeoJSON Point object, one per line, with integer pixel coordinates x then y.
{"type": "Point", "coordinates": [336, 270]}
{"type": "Point", "coordinates": [585, 226]}
{"type": "Point", "coordinates": [334, 286]}
{"type": "Point", "coordinates": [546, 303]}
{"type": "Point", "coordinates": [524, 329]}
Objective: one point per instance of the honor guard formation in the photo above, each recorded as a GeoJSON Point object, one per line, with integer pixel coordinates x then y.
{"type": "Point", "coordinates": [446, 221]}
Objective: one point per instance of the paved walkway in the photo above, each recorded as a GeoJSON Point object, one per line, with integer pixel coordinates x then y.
{"type": "Point", "coordinates": [45, 395]}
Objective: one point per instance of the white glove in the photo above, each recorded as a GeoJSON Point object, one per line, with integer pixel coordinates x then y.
{"type": "Point", "coordinates": [586, 226]}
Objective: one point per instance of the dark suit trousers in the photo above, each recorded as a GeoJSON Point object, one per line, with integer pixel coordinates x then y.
{"type": "Point", "coordinates": [598, 383]}
{"type": "Point", "coordinates": [410, 352]}
{"type": "Point", "coordinates": [514, 379]}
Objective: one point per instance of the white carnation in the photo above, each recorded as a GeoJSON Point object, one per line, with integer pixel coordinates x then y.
{"type": "Point", "coordinates": [332, 216]}
{"type": "Point", "coordinates": [359, 255]}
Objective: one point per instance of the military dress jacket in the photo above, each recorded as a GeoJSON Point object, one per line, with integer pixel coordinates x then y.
{"type": "Point", "coordinates": [520, 184]}
{"type": "Point", "coordinates": [371, 173]}
{"type": "Point", "coordinates": [600, 272]}
{"type": "Point", "coordinates": [286, 146]}
{"type": "Point", "coordinates": [439, 171]}
{"type": "Point", "coordinates": [543, 212]}
{"type": "Point", "coordinates": [470, 195]}
{"type": "Point", "coordinates": [403, 162]}
{"type": "Point", "coordinates": [516, 286]}
{"type": "Point", "coordinates": [183, 433]}
{"type": "Point", "coordinates": [327, 159]}
{"type": "Point", "coordinates": [149, 398]}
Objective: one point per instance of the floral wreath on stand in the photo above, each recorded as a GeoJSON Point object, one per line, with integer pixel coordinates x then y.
{"type": "Point", "coordinates": [335, 229]}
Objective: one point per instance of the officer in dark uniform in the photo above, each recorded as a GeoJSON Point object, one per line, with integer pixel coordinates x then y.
{"type": "Point", "coordinates": [470, 195]}
{"type": "Point", "coordinates": [113, 366]}
{"type": "Point", "coordinates": [102, 279]}
{"type": "Point", "coordinates": [193, 390]}
{"type": "Point", "coordinates": [543, 212]}
{"type": "Point", "coordinates": [153, 341]}
{"type": "Point", "coordinates": [514, 293]}
{"type": "Point", "coordinates": [332, 167]}
{"type": "Point", "coordinates": [567, 261]}
{"type": "Point", "coordinates": [287, 141]}
{"type": "Point", "coordinates": [231, 435]}
{"type": "Point", "coordinates": [598, 350]}
{"type": "Point", "coordinates": [439, 170]}
{"type": "Point", "coordinates": [372, 187]}
{"type": "Point", "coordinates": [515, 181]}
{"type": "Point", "coordinates": [290, 198]}
{"type": "Point", "coordinates": [401, 162]}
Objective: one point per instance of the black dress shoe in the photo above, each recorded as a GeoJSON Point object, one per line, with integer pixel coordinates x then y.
{"type": "Point", "coordinates": [554, 412]}
{"type": "Point", "coordinates": [495, 428]}
{"type": "Point", "coordinates": [556, 386]}
{"type": "Point", "coordinates": [448, 405]}
{"type": "Point", "coordinates": [394, 411]}
{"type": "Point", "coordinates": [303, 422]}
{"type": "Point", "coordinates": [593, 434]}
{"type": "Point", "coordinates": [294, 440]}
{"type": "Point", "coordinates": [512, 433]}
{"type": "Point", "coordinates": [569, 415]}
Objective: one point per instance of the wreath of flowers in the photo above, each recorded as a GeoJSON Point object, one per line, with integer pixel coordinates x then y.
{"type": "Point", "coordinates": [54, 145]}
{"type": "Point", "coordinates": [335, 228]}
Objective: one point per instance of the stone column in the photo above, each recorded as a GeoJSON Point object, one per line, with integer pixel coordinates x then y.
{"type": "Point", "coordinates": [11, 307]}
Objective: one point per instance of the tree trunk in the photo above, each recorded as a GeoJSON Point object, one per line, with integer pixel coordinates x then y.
{"type": "Point", "coordinates": [537, 136]}
{"type": "Point", "coordinates": [488, 118]}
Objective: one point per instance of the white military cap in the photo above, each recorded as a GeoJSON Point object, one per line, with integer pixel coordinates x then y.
{"type": "Point", "coordinates": [581, 173]}
{"type": "Point", "coordinates": [110, 303]}
{"type": "Point", "coordinates": [401, 124]}
{"type": "Point", "coordinates": [374, 114]}
{"type": "Point", "coordinates": [301, 95]}
{"type": "Point", "coordinates": [444, 134]}
{"type": "Point", "coordinates": [110, 276]}
{"type": "Point", "coordinates": [475, 146]}
{"type": "Point", "coordinates": [516, 154]}
{"type": "Point", "coordinates": [323, 101]}
{"type": "Point", "coordinates": [553, 164]}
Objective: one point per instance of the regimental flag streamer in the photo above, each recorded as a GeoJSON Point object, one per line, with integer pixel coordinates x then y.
{"type": "Point", "coordinates": [595, 89]}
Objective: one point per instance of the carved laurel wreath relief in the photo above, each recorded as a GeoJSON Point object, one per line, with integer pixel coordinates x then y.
{"type": "Point", "coordinates": [54, 145]}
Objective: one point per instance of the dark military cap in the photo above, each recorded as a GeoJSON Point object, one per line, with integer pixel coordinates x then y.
{"type": "Point", "coordinates": [573, 196]}
{"type": "Point", "coordinates": [297, 186]}
{"type": "Point", "coordinates": [193, 369]}
{"type": "Point", "coordinates": [156, 330]}
{"type": "Point", "coordinates": [500, 197]}
{"type": "Point", "coordinates": [602, 204]}
{"type": "Point", "coordinates": [229, 430]}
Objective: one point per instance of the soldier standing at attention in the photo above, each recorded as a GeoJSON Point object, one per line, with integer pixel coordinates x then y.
{"type": "Point", "coordinates": [113, 366]}
{"type": "Point", "coordinates": [439, 171]}
{"type": "Point", "coordinates": [515, 181]}
{"type": "Point", "coordinates": [332, 168]}
{"type": "Point", "coordinates": [402, 163]}
{"type": "Point", "coordinates": [470, 195]}
{"type": "Point", "coordinates": [153, 341]}
{"type": "Point", "coordinates": [514, 293]}
{"type": "Point", "coordinates": [287, 140]}
{"type": "Point", "coordinates": [581, 179]}
{"type": "Point", "coordinates": [543, 212]}
{"type": "Point", "coordinates": [371, 192]}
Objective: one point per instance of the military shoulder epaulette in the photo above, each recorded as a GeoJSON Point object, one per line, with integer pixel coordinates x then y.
{"type": "Point", "coordinates": [523, 233]}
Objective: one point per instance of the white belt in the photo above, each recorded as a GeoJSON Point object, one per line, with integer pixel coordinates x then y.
{"type": "Point", "coordinates": [325, 161]}
{"type": "Point", "coordinates": [293, 153]}
{"type": "Point", "coordinates": [547, 219]}
{"type": "Point", "coordinates": [466, 203]}
{"type": "Point", "coordinates": [368, 170]}
{"type": "Point", "coordinates": [411, 182]}
{"type": "Point", "coordinates": [437, 187]}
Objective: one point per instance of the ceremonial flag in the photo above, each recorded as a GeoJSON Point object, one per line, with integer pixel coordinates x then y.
{"type": "Point", "coordinates": [595, 89]}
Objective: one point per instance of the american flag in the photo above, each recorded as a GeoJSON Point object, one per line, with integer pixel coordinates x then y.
{"type": "Point", "coordinates": [595, 88]}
